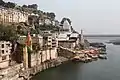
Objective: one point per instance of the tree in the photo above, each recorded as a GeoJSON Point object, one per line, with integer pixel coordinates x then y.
{"type": "Point", "coordinates": [52, 15]}
{"type": "Point", "coordinates": [64, 19]}
{"type": "Point", "coordinates": [69, 21]}
{"type": "Point", "coordinates": [10, 5]}
{"type": "Point", "coordinates": [2, 2]}
{"type": "Point", "coordinates": [19, 8]}
{"type": "Point", "coordinates": [35, 11]}
{"type": "Point", "coordinates": [34, 6]}
{"type": "Point", "coordinates": [24, 6]}
{"type": "Point", "coordinates": [7, 33]}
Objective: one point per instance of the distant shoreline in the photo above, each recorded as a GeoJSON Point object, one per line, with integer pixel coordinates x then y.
{"type": "Point", "coordinates": [101, 35]}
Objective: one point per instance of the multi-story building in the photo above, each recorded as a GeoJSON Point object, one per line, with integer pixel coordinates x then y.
{"type": "Point", "coordinates": [69, 40]}
{"type": "Point", "coordinates": [50, 40]}
{"type": "Point", "coordinates": [48, 50]}
{"type": "Point", "coordinates": [5, 50]}
{"type": "Point", "coordinates": [8, 15]}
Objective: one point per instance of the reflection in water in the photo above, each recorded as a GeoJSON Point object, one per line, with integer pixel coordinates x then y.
{"type": "Point", "coordinates": [97, 70]}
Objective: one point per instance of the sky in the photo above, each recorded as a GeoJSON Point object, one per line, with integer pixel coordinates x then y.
{"type": "Point", "coordinates": [93, 16]}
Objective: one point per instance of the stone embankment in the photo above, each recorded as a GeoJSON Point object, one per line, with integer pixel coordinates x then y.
{"type": "Point", "coordinates": [17, 72]}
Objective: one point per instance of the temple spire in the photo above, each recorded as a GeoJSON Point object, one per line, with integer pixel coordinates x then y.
{"type": "Point", "coordinates": [82, 37]}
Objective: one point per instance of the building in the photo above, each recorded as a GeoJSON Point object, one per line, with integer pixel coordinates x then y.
{"type": "Point", "coordinates": [36, 39]}
{"type": "Point", "coordinates": [8, 15]}
{"type": "Point", "coordinates": [48, 51]}
{"type": "Point", "coordinates": [5, 51]}
{"type": "Point", "coordinates": [66, 26]}
{"type": "Point", "coordinates": [50, 40]}
{"type": "Point", "coordinates": [41, 21]}
{"type": "Point", "coordinates": [69, 40]}
{"type": "Point", "coordinates": [48, 48]}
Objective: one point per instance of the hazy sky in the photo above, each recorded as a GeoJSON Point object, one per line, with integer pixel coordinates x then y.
{"type": "Point", "coordinates": [93, 16]}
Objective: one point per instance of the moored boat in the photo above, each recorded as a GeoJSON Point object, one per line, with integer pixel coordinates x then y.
{"type": "Point", "coordinates": [102, 52]}
{"type": "Point", "coordinates": [102, 56]}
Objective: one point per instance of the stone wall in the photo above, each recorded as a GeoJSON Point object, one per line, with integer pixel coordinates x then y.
{"type": "Point", "coordinates": [4, 64]}
{"type": "Point", "coordinates": [11, 73]}
{"type": "Point", "coordinates": [70, 45]}
{"type": "Point", "coordinates": [18, 73]}
{"type": "Point", "coordinates": [39, 61]}
{"type": "Point", "coordinates": [65, 52]}
{"type": "Point", "coordinates": [42, 56]}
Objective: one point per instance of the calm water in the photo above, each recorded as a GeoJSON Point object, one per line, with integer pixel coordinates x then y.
{"type": "Point", "coordinates": [97, 70]}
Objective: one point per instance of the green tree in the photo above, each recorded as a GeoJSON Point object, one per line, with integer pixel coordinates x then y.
{"type": "Point", "coordinates": [52, 15]}
{"type": "Point", "coordinates": [9, 5]}
{"type": "Point", "coordinates": [24, 6]}
{"type": "Point", "coordinates": [7, 33]}
{"type": "Point", "coordinates": [64, 19]}
{"type": "Point", "coordinates": [34, 6]}
{"type": "Point", "coordinates": [2, 2]}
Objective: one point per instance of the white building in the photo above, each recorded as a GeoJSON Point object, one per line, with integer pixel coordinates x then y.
{"type": "Point", "coordinates": [66, 26]}
{"type": "Point", "coordinates": [5, 50]}
{"type": "Point", "coordinates": [50, 40]}
{"type": "Point", "coordinates": [68, 40]}
{"type": "Point", "coordinates": [8, 15]}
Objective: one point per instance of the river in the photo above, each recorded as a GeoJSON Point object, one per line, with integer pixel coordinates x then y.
{"type": "Point", "coordinates": [97, 70]}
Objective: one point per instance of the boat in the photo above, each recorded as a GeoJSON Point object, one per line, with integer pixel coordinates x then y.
{"type": "Point", "coordinates": [93, 56]}
{"type": "Point", "coordinates": [102, 52]}
{"type": "Point", "coordinates": [88, 59]}
{"type": "Point", "coordinates": [102, 56]}
{"type": "Point", "coordinates": [81, 59]}
{"type": "Point", "coordinates": [102, 49]}
{"type": "Point", "coordinates": [76, 58]}
{"type": "Point", "coordinates": [98, 45]}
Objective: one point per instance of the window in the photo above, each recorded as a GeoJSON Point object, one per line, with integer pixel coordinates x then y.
{"type": "Point", "coordinates": [8, 45]}
{"type": "Point", "coordinates": [2, 45]}
{"type": "Point", "coordinates": [6, 51]}
{"type": "Point", "coordinates": [49, 45]}
{"type": "Point", "coordinates": [4, 58]}
{"type": "Point", "coordinates": [2, 51]}
{"type": "Point", "coordinates": [49, 41]}
{"type": "Point", "coordinates": [49, 37]}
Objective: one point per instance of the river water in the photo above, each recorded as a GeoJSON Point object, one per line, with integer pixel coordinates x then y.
{"type": "Point", "coordinates": [97, 70]}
